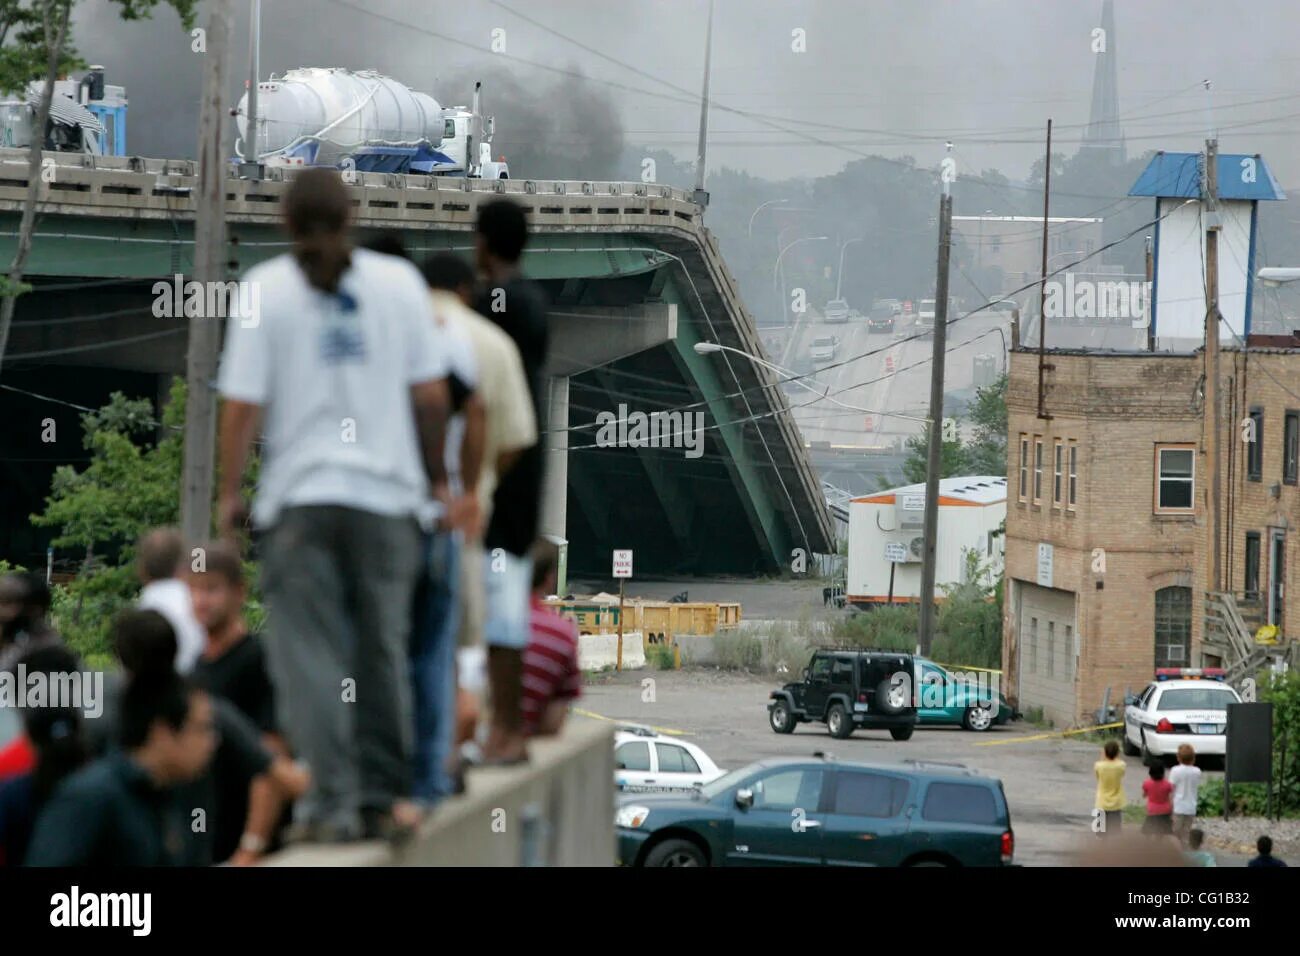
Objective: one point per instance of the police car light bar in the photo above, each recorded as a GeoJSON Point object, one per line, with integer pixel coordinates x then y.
{"type": "Point", "coordinates": [1191, 673]}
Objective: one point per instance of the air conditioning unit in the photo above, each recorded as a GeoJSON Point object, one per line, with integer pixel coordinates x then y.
{"type": "Point", "coordinates": [916, 548]}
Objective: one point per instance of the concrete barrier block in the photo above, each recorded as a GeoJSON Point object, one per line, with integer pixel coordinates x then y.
{"type": "Point", "coordinates": [598, 651]}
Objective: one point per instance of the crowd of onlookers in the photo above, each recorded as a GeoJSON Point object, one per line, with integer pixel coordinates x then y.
{"type": "Point", "coordinates": [397, 413]}
{"type": "Point", "coordinates": [1171, 800]}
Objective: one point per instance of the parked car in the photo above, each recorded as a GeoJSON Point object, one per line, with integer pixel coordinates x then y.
{"type": "Point", "coordinates": [649, 762]}
{"type": "Point", "coordinates": [962, 699]}
{"type": "Point", "coordinates": [821, 811]}
{"type": "Point", "coordinates": [823, 348]}
{"type": "Point", "coordinates": [836, 310]}
{"type": "Point", "coordinates": [849, 689]}
{"type": "Point", "coordinates": [1181, 706]}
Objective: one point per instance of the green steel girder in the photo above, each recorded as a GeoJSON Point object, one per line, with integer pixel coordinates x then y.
{"type": "Point", "coordinates": [146, 249]}
{"type": "Point", "coordinates": [757, 494]}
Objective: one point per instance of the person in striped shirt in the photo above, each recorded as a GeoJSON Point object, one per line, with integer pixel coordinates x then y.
{"type": "Point", "coordinates": [552, 679]}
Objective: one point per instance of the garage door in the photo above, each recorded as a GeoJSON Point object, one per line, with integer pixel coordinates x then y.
{"type": "Point", "coordinates": [1048, 652]}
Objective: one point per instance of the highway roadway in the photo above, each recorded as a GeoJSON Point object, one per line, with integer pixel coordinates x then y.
{"type": "Point", "coordinates": [882, 372]}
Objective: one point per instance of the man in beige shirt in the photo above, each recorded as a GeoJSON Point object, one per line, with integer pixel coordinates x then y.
{"type": "Point", "coordinates": [510, 429]}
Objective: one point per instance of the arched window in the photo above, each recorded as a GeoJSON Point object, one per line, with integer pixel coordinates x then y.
{"type": "Point", "coordinates": [1173, 626]}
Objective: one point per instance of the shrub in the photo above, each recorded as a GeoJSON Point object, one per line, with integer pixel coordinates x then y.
{"type": "Point", "coordinates": [892, 628]}
{"type": "Point", "coordinates": [659, 656]}
{"type": "Point", "coordinates": [734, 650]}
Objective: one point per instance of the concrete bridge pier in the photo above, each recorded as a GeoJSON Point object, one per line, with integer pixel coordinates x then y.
{"type": "Point", "coordinates": [555, 492]}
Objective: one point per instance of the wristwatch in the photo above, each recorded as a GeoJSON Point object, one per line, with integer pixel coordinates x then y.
{"type": "Point", "coordinates": [252, 843]}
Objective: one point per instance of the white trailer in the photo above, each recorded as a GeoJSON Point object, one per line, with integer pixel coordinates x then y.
{"type": "Point", "coordinates": [886, 530]}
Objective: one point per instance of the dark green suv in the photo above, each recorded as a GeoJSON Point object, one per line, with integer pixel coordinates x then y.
{"type": "Point", "coordinates": [793, 812]}
{"type": "Point", "coordinates": [847, 689]}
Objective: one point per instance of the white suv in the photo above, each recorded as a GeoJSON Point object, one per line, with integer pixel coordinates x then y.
{"type": "Point", "coordinates": [1181, 706]}
{"type": "Point", "coordinates": [648, 762]}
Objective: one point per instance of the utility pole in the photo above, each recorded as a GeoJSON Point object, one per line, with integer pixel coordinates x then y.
{"type": "Point", "coordinates": [1042, 288]}
{"type": "Point", "coordinates": [209, 256]}
{"type": "Point", "coordinates": [252, 144]}
{"type": "Point", "coordinates": [934, 461]}
{"type": "Point", "coordinates": [1150, 273]}
{"type": "Point", "coordinates": [700, 195]}
{"type": "Point", "coordinates": [1213, 413]}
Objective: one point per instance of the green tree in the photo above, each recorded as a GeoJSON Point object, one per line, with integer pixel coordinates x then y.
{"type": "Point", "coordinates": [130, 485]}
{"type": "Point", "coordinates": [986, 453]}
{"type": "Point", "coordinates": [970, 620]}
{"type": "Point", "coordinates": [952, 459]}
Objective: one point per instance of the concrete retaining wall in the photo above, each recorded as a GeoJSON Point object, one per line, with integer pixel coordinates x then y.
{"type": "Point", "coordinates": [598, 651]}
{"type": "Point", "coordinates": [557, 810]}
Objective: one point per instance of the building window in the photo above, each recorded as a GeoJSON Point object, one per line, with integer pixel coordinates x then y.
{"type": "Point", "coordinates": [1291, 447]}
{"type": "Point", "coordinates": [1033, 645]}
{"type": "Point", "coordinates": [1058, 473]}
{"type": "Point", "coordinates": [1175, 474]}
{"type": "Point", "coordinates": [1251, 583]}
{"type": "Point", "coordinates": [1255, 447]}
{"type": "Point", "coordinates": [1051, 648]}
{"type": "Point", "coordinates": [1024, 467]}
{"type": "Point", "coordinates": [1074, 477]}
{"type": "Point", "coordinates": [1173, 626]}
{"type": "Point", "coordinates": [1070, 652]}
{"type": "Point", "coordinates": [1038, 469]}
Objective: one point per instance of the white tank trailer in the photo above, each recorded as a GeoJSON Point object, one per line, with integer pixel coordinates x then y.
{"type": "Point", "coordinates": [365, 121]}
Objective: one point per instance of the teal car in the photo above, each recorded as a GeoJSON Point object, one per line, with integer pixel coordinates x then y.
{"type": "Point", "coordinates": [965, 698]}
{"type": "Point", "coordinates": [823, 812]}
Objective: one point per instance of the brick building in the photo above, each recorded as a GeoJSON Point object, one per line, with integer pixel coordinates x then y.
{"type": "Point", "coordinates": [1108, 538]}
{"type": "Point", "coordinates": [1101, 526]}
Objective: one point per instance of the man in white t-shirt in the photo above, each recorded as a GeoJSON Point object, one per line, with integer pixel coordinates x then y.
{"type": "Point", "coordinates": [160, 560]}
{"type": "Point", "coordinates": [345, 369]}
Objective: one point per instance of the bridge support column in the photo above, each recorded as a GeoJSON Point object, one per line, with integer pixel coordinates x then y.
{"type": "Point", "coordinates": [555, 493]}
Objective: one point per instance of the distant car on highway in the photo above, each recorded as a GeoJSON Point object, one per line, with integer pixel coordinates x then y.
{"type": "Point", "coordinates": [880, 319]}
{"type": "Point", "coordinates": [823, 812]}
{"type": "Point", "coordinates": [925, 313]}
{"type": "Point", "coordinates": [649, 762]}
{"type": "Point", "coordinates": [836, 310]}
{"type": "Point", "coordinates": [823, 348]}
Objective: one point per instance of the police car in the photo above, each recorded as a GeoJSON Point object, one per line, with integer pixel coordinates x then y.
{"type": "Point", "coordinates": [1181, 706]}
{"type": "Point", "coordinates": [649, 762]}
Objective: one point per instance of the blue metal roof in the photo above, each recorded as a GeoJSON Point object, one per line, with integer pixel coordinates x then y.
{"type": "Point", "coordinates": [1178, 175]}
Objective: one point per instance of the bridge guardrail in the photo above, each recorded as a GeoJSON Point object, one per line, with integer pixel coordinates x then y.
{"type": "Point", "coordinates": [132, 185]}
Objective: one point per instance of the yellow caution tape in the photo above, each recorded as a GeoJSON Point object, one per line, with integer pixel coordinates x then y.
{"type": "Point", "coordinates": [667, 731]}
{"type": "Point", "coordinates": [968, 667]}
{"type": "Point", "coordinates": [1048, 736]}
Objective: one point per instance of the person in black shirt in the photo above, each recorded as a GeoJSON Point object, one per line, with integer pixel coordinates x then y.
{"type": "Point", "coordinates": [122, 810]}
{"type": "Point", "coordinates": [519, 308]}
{"type": "Point", "coordinates": [233, 663]}
{"type": "Point", "coordinates": [246, 787]}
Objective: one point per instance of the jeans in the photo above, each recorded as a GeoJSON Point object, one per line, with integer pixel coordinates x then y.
{"type": "Point", "coordinates": [338, 585]}
{"type": "Point", "coordinates": [433, 664]}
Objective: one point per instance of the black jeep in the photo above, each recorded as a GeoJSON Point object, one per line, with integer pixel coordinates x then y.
{"type": "Point", "coordinates": [847, 689]}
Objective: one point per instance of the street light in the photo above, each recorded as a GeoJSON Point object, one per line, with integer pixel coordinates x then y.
{"type": "Point", "coordinates": [839, 276]}
{"type": "Point", "coordinates": [707, 348]}
{"type": "Point", "coordinates": [777, 265]}
{"type": "Point", "coordinates": [770, 202]}
{"type": "Point", "coordinates": [1277, 275]}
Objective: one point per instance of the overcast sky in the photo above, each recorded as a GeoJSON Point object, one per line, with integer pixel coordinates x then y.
{"type": "Point", "coordinates": [898, 76]}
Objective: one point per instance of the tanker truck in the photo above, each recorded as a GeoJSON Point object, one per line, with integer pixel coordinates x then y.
{"type": "Point", "coordinates": [365, 121]}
